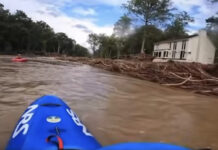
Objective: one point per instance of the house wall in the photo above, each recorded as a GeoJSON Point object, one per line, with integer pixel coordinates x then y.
{"type": "Point", "coordinates": [165, 47]}
{"type": "Point", "coordinates": [206, 49]}
{"type": "Point", "coordinates": [192, 48]}
{"type": "Point", "coordinates": [178, 49]}
{"type": "Point", "coordinates": [198, 49]}
{"type": "Point", "coordinates": [162, 46]}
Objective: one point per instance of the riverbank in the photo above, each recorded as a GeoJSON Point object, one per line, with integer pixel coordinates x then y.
{"type": "Point", "coordinates": [196, 77]}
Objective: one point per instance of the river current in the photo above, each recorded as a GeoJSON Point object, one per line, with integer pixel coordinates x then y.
{"type": "Point", "coordinates": [115, 108]}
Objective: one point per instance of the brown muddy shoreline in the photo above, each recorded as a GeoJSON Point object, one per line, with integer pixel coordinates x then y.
{"type": "Point", "coordinates": [194, 77]}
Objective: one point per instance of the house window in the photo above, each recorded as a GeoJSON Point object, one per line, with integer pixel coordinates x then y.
{"type": "Point", "coordinates": [174, 54]}
{"type": "Point", "coordinates": [155, 54]}
{"type": "Point", "coordinates": [182, 55]}
{"type": "Point", "coordinates": [159, 54]}
{"type": "Point", "coordinates": [165, 54]}
{"type": "Point", "coordinates": [174, 45]}
{"type": "Point", "coordinates": [183, 45]}
{"type": "Point", "coordinates": [170, 44]}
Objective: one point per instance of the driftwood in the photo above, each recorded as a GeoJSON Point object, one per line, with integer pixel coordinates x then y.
{"type": "Point", "coordinates": [213, 79]}
{"type": "Point", "coordinates": [179, 84]}
{"type": "Point", "coordinates": [184, 75]}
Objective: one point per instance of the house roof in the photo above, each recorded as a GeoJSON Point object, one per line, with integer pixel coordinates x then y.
{"type": "Point", "coordinates": [179, 39]}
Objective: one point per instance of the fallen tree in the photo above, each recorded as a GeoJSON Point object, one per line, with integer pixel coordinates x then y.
{"type": "Point", "coordinates": [194, 76]}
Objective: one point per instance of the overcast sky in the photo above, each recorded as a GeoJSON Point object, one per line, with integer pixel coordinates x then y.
{"type": "Point", "coordinates": [78, 18]}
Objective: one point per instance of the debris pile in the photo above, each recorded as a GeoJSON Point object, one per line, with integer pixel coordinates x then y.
{"type": "Point", "coordinates": [194, 76]}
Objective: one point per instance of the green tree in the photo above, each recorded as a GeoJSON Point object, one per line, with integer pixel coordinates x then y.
{"type": "Point", "coordinates": [122, 26]}
{"type": "Point", "coordinates": [93, 40]}
{"type": "Point", "coordinates": [212, 23]}
{"type": "Point", "coordinates": [177, 28]}
{"type": "Point", "coordinates": [212, 29]}
{"type": "Point", "coordinates": [150, 12]}
{"type": "Point", "coordinates": [107, 46]}
{"type": "Point", "coordinates": [46, 33]}
{"type": "Point", "coordinates": [213, 1]}
{"type": "Point", "coordinates": [19, 34]}
{"type": "Point", "coordinates": [121, 32]}
{"type": "Point", "coordinates": [133, 44]}
{"type": "Point", "coordinates": [62, 40]}
{"type": "Point", "coordinates": [81, 51]}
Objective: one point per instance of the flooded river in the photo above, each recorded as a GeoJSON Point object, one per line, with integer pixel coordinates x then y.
{"type": "Point", "coordinates": [115, 108]}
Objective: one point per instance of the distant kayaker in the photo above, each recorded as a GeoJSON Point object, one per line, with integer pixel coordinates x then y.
{"type": "Point", "coordinates": [18, 56]}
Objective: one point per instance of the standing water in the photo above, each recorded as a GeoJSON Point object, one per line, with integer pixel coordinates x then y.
{"type": "Point", "coordinates": [115, 108]}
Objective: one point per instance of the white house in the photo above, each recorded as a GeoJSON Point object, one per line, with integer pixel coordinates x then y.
{"type": "Point", "coordinates": [195, 48]}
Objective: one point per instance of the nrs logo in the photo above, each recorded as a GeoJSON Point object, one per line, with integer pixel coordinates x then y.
{"type": "Point", "coordinates": [78, 122]}
{"type": "Point", "coordinates": [23, 125]}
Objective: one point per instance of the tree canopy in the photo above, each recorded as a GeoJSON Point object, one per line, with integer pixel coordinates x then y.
{"type": "Point", "coordinates": [212, 29]}
{"type": "Point", "coordinates": [177, 27]}
{"type": "Point", "coordinates": [119, 45]}
{"type": "Point", "coordinates": [122, 26]}
{"type": "Point", "coordinates": [213, 1]}
{"type": "Point", "coordinates": [93, 40]}
{"type": "Point", "coordinates": [19, 34]}
{"type": "Point", "coordinates": [142, 37]}
{"type": "Point", "coordinates": [150, 12]}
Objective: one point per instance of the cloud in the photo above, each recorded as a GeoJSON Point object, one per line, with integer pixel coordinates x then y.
{"type": "Point", "coordinates": [84, 12]}
{"type": "Point", "coordinates": [85, 2]}
{"type": "Point", "coordinates": [111, 2]}
{"type": "Point", "coordinates": [96, 15]}
{"type": "Point", "coordinates": [75, 28]}
{"type": "Point", "coordinates": [200, 10]}
{"type": "Point", "coordinates": [83, 28]}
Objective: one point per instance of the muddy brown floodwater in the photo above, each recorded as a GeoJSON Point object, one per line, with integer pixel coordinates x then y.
{"type": "Point", "coordinates": [115, 108]}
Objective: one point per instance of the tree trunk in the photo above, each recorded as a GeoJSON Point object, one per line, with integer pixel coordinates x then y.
{"type": "Point", "coordinates": [44, 47]}
{"type": "Point", "coordinates": [118, 46]}
{"type": "Point", "coordinates": [118, 54]}
{"type": "Point", "coordinates": [28, 47]}
{"type": "Point", "coordinates": [94, 52]}
{"type": "Point", "coordinates": [144, 37]}
{"type": "Point", "coordinates": [143, 45]}
{"type": "Point", "coordinates": [59, 47]}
